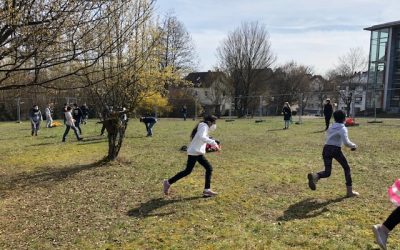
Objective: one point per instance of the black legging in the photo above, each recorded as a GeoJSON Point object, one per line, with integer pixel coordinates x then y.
{"type": "Point", "coordinates": [333, 152]}
{"type": "Point", "coordinates": [393, 219]}
{"type": "Point", "coordinates": [327, 120]}
{"type": "Point", "coordinates": [192, 159]}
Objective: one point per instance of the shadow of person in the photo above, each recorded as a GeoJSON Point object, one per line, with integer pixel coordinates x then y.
{"type": "Point", "coordinates": [307, 208]}
{"type": "Point", "coordinates": [319, 131]}
{"type": "Point", "coordinates": [94, 138]}
{"type": "Point", "coordinates": [276, 129]}
{"type": "Point", "coordinates": [136, 137]}
{"type": "Point", "coordinates": [147, 209]}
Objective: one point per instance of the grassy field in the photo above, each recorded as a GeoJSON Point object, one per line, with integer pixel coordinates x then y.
{"type": "Point", "coordinates": [61, 195]}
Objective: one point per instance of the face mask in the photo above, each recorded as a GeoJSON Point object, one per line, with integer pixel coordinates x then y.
{"type": "Point", "coordinates": [213, 127]}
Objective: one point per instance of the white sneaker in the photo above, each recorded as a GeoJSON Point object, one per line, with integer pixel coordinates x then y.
{"type": "Point", "coordinates": [381, 235]}
{"type": "Point", "coordinates": [209, 193]}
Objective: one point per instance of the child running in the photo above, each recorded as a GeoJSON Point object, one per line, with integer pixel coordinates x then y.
{"type": "Point", "coordinates": [196, 152]}
{"type": "Point", "coordinates": [336, 136]}
{"type": "Point", "coordinates": [381, 231]}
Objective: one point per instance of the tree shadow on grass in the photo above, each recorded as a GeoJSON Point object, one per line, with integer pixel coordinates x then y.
{"type": "Point", "coordinates": [43, 144]}
{"type": "Point", "coordinates": [43, 177]}
{"type": "Point", "coordinates": [146, 209]}
{"type": "Point", "coordinates": [135, 137]}
{"type": "Point", "coordinates": [307, 208]}
{"type": "Point", "coordinates": [319, 131]}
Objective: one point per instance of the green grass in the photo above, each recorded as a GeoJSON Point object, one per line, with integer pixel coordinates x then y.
{"type": "Point", "coordinates": [55, 195]}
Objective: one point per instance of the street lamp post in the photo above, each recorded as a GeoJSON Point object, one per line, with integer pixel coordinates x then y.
{"type": "Point", "coordinates": [19, 110]}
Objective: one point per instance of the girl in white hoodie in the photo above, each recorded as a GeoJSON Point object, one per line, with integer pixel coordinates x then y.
{"type": "Point", "coordinates": [335, 137]}
{"type": "Point", "coordinates": [196, 152]}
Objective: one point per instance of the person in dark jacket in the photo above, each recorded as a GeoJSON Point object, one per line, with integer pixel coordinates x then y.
{"type": "Point", "coordinates": [328, 111]}
{"type": "Point", "coordinates": [287, 114]}
{"type": "Point", "coordinates": [64, 109]}
{"type": "Point", "coordinates": [149, 121]}
{"type": "Point", "coordinates": [105, 114]}
{"type": "Point", "coordinates": [77, 114]}
{"type": "Point", "coordinates": [35, 116]}
{"type": "Point", "coordinates": [85, 113]}
{"type": "Point", "coordinates": [184, 112]}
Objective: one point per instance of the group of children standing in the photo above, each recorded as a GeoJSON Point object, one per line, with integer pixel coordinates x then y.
{"type": "Point", "coordinates": [73, 117]}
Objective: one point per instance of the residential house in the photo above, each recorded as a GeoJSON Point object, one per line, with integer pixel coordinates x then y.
{"type": "Point", "coordinates": [210, 91]}
{"type": "Point", "coordinates": [354, 91]}
{"type": "Point", "coordinates": [317, 94]}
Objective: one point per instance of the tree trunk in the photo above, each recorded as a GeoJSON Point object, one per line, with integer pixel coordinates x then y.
{"type": "Point", "coordinates": [116, 134]}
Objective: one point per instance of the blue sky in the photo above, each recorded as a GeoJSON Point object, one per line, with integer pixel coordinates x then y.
{"type": "Point", "coordinates": [310, 32]}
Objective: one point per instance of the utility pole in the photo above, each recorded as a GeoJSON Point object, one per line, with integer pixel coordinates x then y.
{"type": "Point", "coordinates": [19, 109]}
{"type": "Point", "coordinates": [301, 109]}
{"type": "Point", "coordinates": [195, 109]}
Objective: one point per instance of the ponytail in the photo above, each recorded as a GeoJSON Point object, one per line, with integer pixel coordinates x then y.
{"type": "Point", "coordinates": [194, 131]}
{"type": "Point", "coordinates": [208, 118]}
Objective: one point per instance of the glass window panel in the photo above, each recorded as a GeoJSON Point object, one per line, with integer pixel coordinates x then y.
{"type": "Point", "coordinates": [374, 34]}
{"type": "Point", "coordinates": [373, 52]}
{"type": "Point", "coordinates": [380, 73]}
{"type": "Point", "coordinates": [372, 74]}
{"type": "Point", "coordinates": [384, 33]}
{"type": "Point", "coordinates": [382, 52]}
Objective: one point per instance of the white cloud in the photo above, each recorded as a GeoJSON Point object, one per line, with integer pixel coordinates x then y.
{"type": "Point", "coordinates": [318, 49]}
{"type": "Point", "coordinates": [311, 32]}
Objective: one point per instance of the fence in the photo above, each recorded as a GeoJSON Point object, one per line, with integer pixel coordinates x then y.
{"type": "Point", "coordinates": [18, 109]}
{"type": "Point", "coordinates": [358, 103]}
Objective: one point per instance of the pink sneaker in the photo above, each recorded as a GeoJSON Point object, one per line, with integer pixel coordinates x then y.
{"type": "Point", "coordinates": [209, 193]}
{"type": "Point", "coordinates": [166, 186]}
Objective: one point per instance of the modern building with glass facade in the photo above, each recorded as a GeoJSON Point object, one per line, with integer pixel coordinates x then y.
{"type": "Point", "coordinates": [383, 88]}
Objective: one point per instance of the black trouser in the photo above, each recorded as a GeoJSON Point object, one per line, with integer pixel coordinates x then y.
{"type": "Point", "coordinates": [333, 152]}
{"type": "Point", "coordinates": [149, 128]}
{"type": "Point", "coordinates": [393, 219]}
{"type": "Point", "coordinates": [78, 125]}
{"type": "Point", "coordinates": [35, 125]}
{"type": "Point", "coordinates": [189, 167]}
{"type": "Point", "coordinates": [327, 120]}
{"type": "Point", "coordinates": [67, 131]}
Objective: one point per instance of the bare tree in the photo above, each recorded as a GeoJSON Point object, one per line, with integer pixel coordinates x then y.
{"type": "Point", "coordinates": [218, 91]}
{"type": "Point", "coordinates": [47, 40]}
{"type": "Point", "coordinates": [243, 55]}
{"type": "Point", "coordinates": [177, 48]}
{"type": "Point", "coordinates": [110, 47]}
{"type": "Point", "coordinates": [323, 88]}
{"type": "Point", "coordinates": [348, 74]}
{"type": "Point", "coordinates": [129, 71]}
{"type": "Point", "coordinates": [291, 83]}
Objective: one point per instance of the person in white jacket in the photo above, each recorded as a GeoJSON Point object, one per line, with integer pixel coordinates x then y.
{"type": "Point", "coordinates": [196, 152]}
{"type": "Point", "coordinates": [70, 123]}
{"type": "Point", "coordinates": [336, 135]}
{"type": "Point", "coordinates": [49, 119]}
